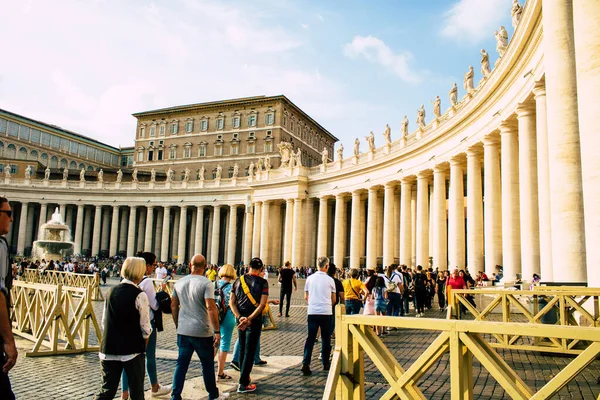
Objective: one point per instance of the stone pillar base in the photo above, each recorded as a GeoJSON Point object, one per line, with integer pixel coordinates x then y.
{"type": "Point", "coordinates": [117, 185]}
{"type": "Point", "coordinates": [339, 164]}
{"type": "Point", "coordinates": [218, 182]}
{"type": "Point", "coordinates": [387, 149]}
{"type": "Point", "coordinates": [62, 183]}
{"type": "Point", "coordinates": [7, 181]}
{"type": "Point", "coordinates": [419, 134]}
{"type": "Point", "coordinates": [201, 183]}
{"type": "Point", "coordinates": [151, 185]}
{"type": "Point", "coordinates": [81, 184]}
{"type": "Point", "coordinates": [323, 168]}
{"type": "Point", "coordinates": [134, 185]}
{"type": "Point", "coordinates": [451, 111]}
{"type": "Point", "coordinates": [234, 181]}
{"type": "Point", "coordinates": [436, 123]}
{"type": "Point", "coordinates": [28, 182]}
{"type": "Point", "coordinates": [184, 185]}
{"type": "Point", "coordinates": [403, 142]}
{"type": "Point", "coordinates": [370, 155]}
{"type": "Point", "coordinates": [46, 183]}
{"type": "Point", "coordinates": [355, 160]}
{"type": "Point", "coordinates": [100, 185]}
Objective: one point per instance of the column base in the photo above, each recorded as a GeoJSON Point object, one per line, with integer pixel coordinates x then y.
{"type": "Point", "coordinates": [387, 149]}
{"type": "Point", "coordinates": [234, 181]}
{"type": "Point", "coordinates": [370, 155]}
{"type": "Point", "coordinates": [184, 185]}
{"type": "Point", "coordinates": [46, 183]}
{"type": "Point", "coordinates": [323, 168]}
{"type": "Point", "coordinates": [217, 182]}
{"type": "Point", "coordinates": [355, 160]}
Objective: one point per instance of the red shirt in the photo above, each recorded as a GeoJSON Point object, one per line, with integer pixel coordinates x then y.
{"type": "Point", "coordinates": [456, 283]}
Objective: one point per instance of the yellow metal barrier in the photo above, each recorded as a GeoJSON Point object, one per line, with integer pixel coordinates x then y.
{"type": "Point", "coordinates": [68, 279]}
{"type": "Point", "coordinates": [55, 317]}
{"type": "Point", "coordinates": [463, 340]}
{"type": "Point", "coordinates": [543, 306]}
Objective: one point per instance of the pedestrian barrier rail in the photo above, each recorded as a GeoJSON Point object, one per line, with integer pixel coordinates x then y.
{"type": "Point", "coordinates": [462, 340]}
{"type": "Point", "coordinates": [57, 318]}
{"type": "Point", "coordinates": [70, 279]}
{"type": "Point", "coordinates": [542, 307]}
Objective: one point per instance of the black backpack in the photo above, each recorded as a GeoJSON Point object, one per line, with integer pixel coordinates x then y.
{"type": "Point", "coordinates": [419, 279]}
{"type": "Point", "coordinates": [222, 305]}
{"type": "Point", "coordinates": [164, 301]}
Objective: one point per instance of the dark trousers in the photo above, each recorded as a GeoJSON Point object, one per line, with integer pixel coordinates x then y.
{"type": "Point", "coordinates": [5, 388]}
{"type": "Point", "coordinates": [285, 293]}
{"type": "Point", "coordinates": [248, 342]}
{"type": "Point", "coordinates": [394, 307]}
{"type": "Point", "coordinates": [441, 299]}
{"type": "Point", "coordinates": [203, 346]}
{"type": "Point", "coordinates": [420, 295]}
{"type": "Point", "coordinates": [314, 323]}
{"type": "Point", "coordinates": [406, 302]}
{"type": "Point", "coordinates": [111, 376]}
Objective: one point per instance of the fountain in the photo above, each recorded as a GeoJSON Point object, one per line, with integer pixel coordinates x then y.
{"type": "Point", "coordinates": [54, 240]}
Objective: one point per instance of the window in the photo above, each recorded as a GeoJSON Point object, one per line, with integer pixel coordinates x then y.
{"type": "Point", "coordinates": [13, 169]}
{"type": "Point", "coordinates": [285, 120]}
{"type": "Point", "coordinates": [24, 133]}
{"type": "Point", "coordinates": [172, 152]}
{"type": "Point", "coordinates": [269, 119]}
{"type": "Point", "coordinates": [74, 147]}
{"type": "Point", "coordinates": [218, 150]}
{"type": "Point", "coordinates": [268, 147]}
{"type": "Point", "coordinates": [220, 123]}
{"type": "Point", "coordinates": [35, 136]}
{"type": "Point", "coordinates": [152, 131]}
{"type": "Point", "coordinates": [269, 134]}
{"type": "Point", "coordinates": [152, 142]}
{"type": "Point", "coordinates": [142, 131]}
{"type": "Point", "coordinates": [204, 125]}
{"type": "Point", "coordinates": [252, 120]}
{"type": "Point", "coordinates": [234, 149]}
{"type": "Point", "coordinates": [251, 148]}
{"type": "Point", "coordinates": [174, 128]}
{"type": "Point", "coordinates": [230, 172]}
{"type": "Point", "coordinates": [220, 137]}
{"type": "Point", "coordinates": [160, 142]}
{"type": "Point", "coordinates": [202, 150]}
{"type": "Point", "coordinates": [54, 141]}
{"type": "Point", "coordinates": [236, 136]}
{"type": "Point", "coordinates": [214, 173]}
{"type": "Point", "coordinates": [292, 126]}
{"type": "Point", "coordinates": [187, 150]}
{"type": "Point", "coordinates": [160, 155]}
{"type": "Point", "coordinates": [235, 122]}
{"type": "Point", "coordinates": [73, 164]}
{"type": "Point", "coordinates": [13, 129]}
{"type": "Point", "coordinates": [189, 126]}
{"type": "Point", "coordinates": [250, 135]}
{"type": "Point", "coordinates": [161, 132]}
{"type": "Point", "coordinates": [150, 155]}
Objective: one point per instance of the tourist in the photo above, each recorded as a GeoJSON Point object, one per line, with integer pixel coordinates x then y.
{"type": "Point", "coordinates": [8, 349]}
{"type": "Point", "coordinates": [440, 288]}
{"type": "Point", "coordinates": [148, 287]}
{"type": "Point", "coordinates": [126, 322]}
{"type": "Point", "coordinates": [249, 297]}
{"type": "Point", "coordinates": [420, 288]}
{"type": "Point", "coordinates": [354, 292]}
{"type": "Point", "coordinates": [197, 322]}
{"type": "Point", "coordinates": [227, 275]}
{"type": "Point", "coordinates": [380, 295]}
{"type": "Point", "coordinates": [369, 299]}
{"type": "Point", "coordinates": [394, 276]}
{"type": "Point", "coordinates": [339, 294]}
{"type": "Point", "coordinates": [161, 272]}
{"type": "Point", "coordinates": [408, 289]}
{"type": "Point", "coordinates": [319, 291]}
{"type": "Point", "coordinates": [287, 278]}
{"type": "Point", "coordinates": [211, 273]}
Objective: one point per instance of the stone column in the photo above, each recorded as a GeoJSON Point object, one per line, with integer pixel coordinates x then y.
{"type": "Point", "coordinates": [566, 191]}
{"type": "Point", "coordinates": [356, 241]}
{"type": "Point", "coordinates": [528, 192]}
{"type": "Point", "coordinates": [149, 227]}
{"type": "Point", "coordinates": [309, 233]}
{"type": "Point", "coordinates": [130, 231]}
{"type": "Point", "coordinates": [43, 211]}
{"type": "Point", "coordinates": [298, 240]}
{"type": "Point", "coordinates": [175, 234]}
{"type": "Point", "coordinates": [114, 231]}
{"type": "Point", "coordinates": [474, 212]}
{"type": "Point", "coordinates": [256, 229]}
{"type": "Point", "coordinates": [87, 229]}
{"type": "Point", "coordinates": [158, 233]}
{"type": "Point", "coordinates": [388, 224]}
{"type": "Point", "coordinates": [440, 252]}
{"type": "Point", "coordinates": [456, 216]}
{"type": "Point", "coordinates": [199, 234]}
{"type": "Point", "coordinates": [586, 19]}
{"type": "Point", "coordinates": [372, 229]}
{"type": "Point", "coordinates": [164, 241]}
{"type": "Point", "coordinates": [289, 230]}
{"type": "Point", "coordinates": [276, 234]}
{"type": "Point", "coordinates": [79, 229]}
{"type": "Point", "coordinates": [511, 230]}
{"type": "Point", "coordinates": [265, 248]}
{"type": "Point", "coordinates": [190, 246]}
{"type": "Point", "coordinates": [216, 233]}
{"type": "Point", "coordinates": [423, 219]}
{"type": "Point", "coordinates": [248, 236]}
{"type": "Point", "coordinates": [181, 245]}
{"type": "Point", "coordinates": [140, 231]}
{"type": "Point", "coordinates": [232, 234]}
{"type": "Point", "coordinates": [493, 204]}
{"type": "Point", "coordinates": [123, 233]}
{"type": "Point", "coordinates": [339, 232]}
{"type": "Point", "coordinates": [63, 211]}
{"type": "Point", "coordinates": [22, 228]}
{"type": "Point", "coordinates": [105, 232]}
{"type": "Point", "coordinates": [543, 182]}
{"type": "Point", "coordinates": [405, 222]}
{"type": "Point", "coordinates": [322, 233]}
{"type": "Point", "coordinates": [96, 234]}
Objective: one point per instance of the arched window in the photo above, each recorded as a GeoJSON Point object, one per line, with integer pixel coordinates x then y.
{"type": "Point", "coordinates": [1, 149]}
{"type": "Point", "coordinates": [90, 168]}
{"type": "Point", "coordinates": [63, 163]}
{"type": "Point", "coordinates": [44, 159]}
{"type": "Point", "coordinates": [81, 166]}
{"type": "Point", "coordinates": [22, 153]}
{"type": "Point", "coordinates": [54, 162]}
{"type": "Point", "coordinates": [11, 151]}
{"type": "Point", "coordinates": [73, 165]}
{"type": "Point", "coordinates": [33, 156]}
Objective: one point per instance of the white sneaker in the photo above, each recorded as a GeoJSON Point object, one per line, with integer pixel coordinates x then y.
{"type": "Point", "coordinates": [418, 315]}
{"type": "Point", "coordinates": [162, 390]}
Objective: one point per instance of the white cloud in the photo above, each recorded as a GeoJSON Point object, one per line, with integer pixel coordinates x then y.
{"type": "Point", "coordinates": [474, 20]}
{"type": "Point", "coordinates": [376, 51]}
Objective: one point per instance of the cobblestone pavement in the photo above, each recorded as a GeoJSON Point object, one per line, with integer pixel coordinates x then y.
{"type": "Point", "coordinates": [78, 376]}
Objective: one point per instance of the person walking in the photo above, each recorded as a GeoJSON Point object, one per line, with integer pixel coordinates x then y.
{"type": "Point", "coordinates": [419, 282]}
{"type": "Point", "coordinates": [8, 349]}
{"type": "Point", "coordinates": [287, 278]}
{"type": "Point", "coordinates": [197, 322]}
{"type": "Point", "coordinates": [319, 291]}
{"type": "Point", "coordinates": [249, 297]}
{"type": "Point", "coordinates": [126, 321]}
{"type": "Point", "coordinates": [354, 292]}
{"type": "Point", "coordinates": [395, 285]}
{"type": "Point", "coordinates": [227, 276]}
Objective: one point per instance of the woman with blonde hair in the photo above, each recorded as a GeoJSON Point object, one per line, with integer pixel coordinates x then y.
{"type": "Point", "coordinates": [227, 276]}
{"type": "Point", "coordinates": [126, 322]}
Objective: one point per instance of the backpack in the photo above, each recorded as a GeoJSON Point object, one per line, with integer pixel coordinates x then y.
{"type": "Point", "coordinates": [164, 301]}
{"type": "Point", "coordinates": [391, 286]}
{"type": "Point", "coordinates": [220, 301]}
{"type": "Point", "coordinates": [419, 279]}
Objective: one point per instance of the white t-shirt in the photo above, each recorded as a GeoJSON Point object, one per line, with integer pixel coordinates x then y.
{"type": "Point", "coordinates": [396, 278]}
{"type": "Point", "coordinates": [319, 287]}
{"type": "Point", "coordinates": [161, 273]}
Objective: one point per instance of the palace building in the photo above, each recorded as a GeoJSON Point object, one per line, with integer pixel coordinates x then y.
{"type": "Point", "coordinates": [506, 175]}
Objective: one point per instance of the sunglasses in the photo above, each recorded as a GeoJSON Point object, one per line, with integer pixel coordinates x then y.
{"type": "Point", "coordinates": [7, 212]}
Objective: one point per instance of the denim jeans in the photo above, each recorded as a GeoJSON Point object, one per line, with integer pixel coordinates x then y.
{"type": "Point", "coordinates": [394, 307]}
{"type": "Point", "coordinates": [249, 340]}
{"type": "Point", "coordinates": [314, 323]}
{"type": "Point", "coordinates": [236, 352]}
{"type": "Point", "coordinates": [353, 307]}
{"type": "Point", "coordinates": [150, 361]}
{"type": "Point", "coordinates": [203, 346]}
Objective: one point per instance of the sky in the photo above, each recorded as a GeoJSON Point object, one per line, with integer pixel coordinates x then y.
{"type": "Point", "coordinates": [352, 65]}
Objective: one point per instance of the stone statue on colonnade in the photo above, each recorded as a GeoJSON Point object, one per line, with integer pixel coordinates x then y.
{"type": "Point", "coordinates": [387, 134]}
{"type": "Point", "coordinates": [516, 12]}
{"type": "Point", "coordinates": [421, 116]}
{"type": "Point", "coordinates": [437, 107]}
{"type": "Point", "coordinates": [298, 158]}
{"type": "Point", "coordinates": [219, 172]}
{"type": "Point", "coordinates": [236, 171]}
{"type": "Point", "coordinates": [340, 152]}
{"type": "Point", "coordinates": [267, 163]}
{"type": "Point", "coordinates": [501, 41]}
{"type": "Point", "coordinates": [250, 170]}
{"type": "Point", "coordinates": [119, 175]}
{"type": "Point", "coordinates": [152, 175]}
{"type": "Point", "coordinates": [7, 171]}
{"type": "Point", "coordinates": [28, 171]}
{"type": "Point", "coordinates": [485, 63]}
{"type": "Point", "coordinates": [404, 126]}
{"type": "Point", "coordinates": [186, 174]}
{"type": "Point", "coordinates": [100, 175]}
{"type": "Point", "coordinates": [453, 95]}
{"type": "Point", "coordinates": [201, 173]}
{"type": "Point", "coordinates": [169, 175]}
{"type": "Point", "coordinates": [286, 150]}
{"type": "Point", "coordinates": [324, 155]}
{"type": "Point", "coordinates": [82, 175]}
{"type": "Point", "coordinates": [47, 173]}
{"type": "Point", "coordinates": [371, 141]}
{"type": "Point", "coordinates": [356, 147]}
{"type": "Point", "coordinates": [259, 164]}
{"type": "Point", "coordinates": [65, 173]}
{"type": "Point", "coordinates": [134, 175]}
{"type": "Point", "coordinates": [468, 81]}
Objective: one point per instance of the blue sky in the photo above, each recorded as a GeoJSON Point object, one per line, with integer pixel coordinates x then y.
{"type": "Point", "coordinates": [352, 65]}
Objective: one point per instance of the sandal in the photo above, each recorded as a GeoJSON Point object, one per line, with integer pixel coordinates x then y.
{"type": "Point", "coordinates": [224, 377]}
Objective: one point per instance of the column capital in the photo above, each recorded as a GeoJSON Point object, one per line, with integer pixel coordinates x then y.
{"type": "Point", "coordinates": [490, 141]}
{"type": "Point", "coordinates": [324, 198]}
{"type": "Point", "coordinates": [539, 90]}
{"type": "Point", "coordinates": [439, 169]}
{"type": "Point", "coordinates": [133, 207]}
{"type": "Point", "coordinates": [473, 152]}
{"type": "Point", "coordinates": [390, 185]}
{"type": "Point", "coordinates": [98, 206]}
{"type": "Point", "coordinates": [166, 207]}
{"type": "Point", "coordinates": [373, 189]}
{"type": "Point", "coordinates": [525, 109]}
{"type": "Point", "coordinates": [116, 206]}
{"type": "Point", "coordinates": [508, 127]}
{"type": "Point", "coordinates": [150, 206]}
{"type": "Point", "coordinates": [340, 196]}
{"type": "Point", "coordinates": [258, 203]}
{"type": "Point", "coordinates": [218, 206]}
{"type": "Point", "coordinates": [183, 206]}
{"type": "Point", "coordinates": [407, 180]}
{"type": "Point", "coordinates": [424, 175]}
{"type": "Point", "coordinates": [233, 206]}
{"type": "Point", "coordinates": [456, 161]}
{"type": "Point", "coordinates": [357, 193]}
